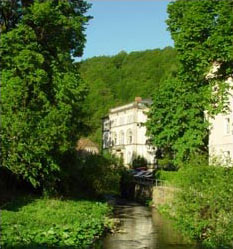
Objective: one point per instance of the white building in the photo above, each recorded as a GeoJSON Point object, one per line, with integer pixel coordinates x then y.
{"type": "Point", "coordinates": [124, 132]}
{"type": "Point", "coordinates": [221, 131]}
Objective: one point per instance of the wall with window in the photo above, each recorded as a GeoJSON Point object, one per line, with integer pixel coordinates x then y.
{"type": "Point", "coordinates": [221, 135]}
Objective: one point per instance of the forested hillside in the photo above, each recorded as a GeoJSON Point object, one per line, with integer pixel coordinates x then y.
{"type": "Point", "coordinates": [118, 79]}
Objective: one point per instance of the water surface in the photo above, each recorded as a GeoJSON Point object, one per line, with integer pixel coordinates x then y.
{"type": "Point", "coordinates": [142, 227]}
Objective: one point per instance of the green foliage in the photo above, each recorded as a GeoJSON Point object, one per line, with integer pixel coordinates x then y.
{"type": "Point", "coordinates": [52, 223]}
{"type": "Point", "coordinates": [202, 33]}
{"type": "Point", "coordinates": [176, 122]}
{"type": "Point", "coordinates": [42, 93]}
{"type": "Point", "coordinates": [126, 184]}
{"type": "Point", "coordinates": [166, 163]}
{"type": "Point", "coordinates": [203, 207]}
{"type": "Point", "coordinates": [168, 176]}
{"type": "Point", "coordinates": [93, 175]}
{"type": "Point", "coordinates": [118, 79]}
{"type": "Point", "coordinates": [148, 202]}
{"type": "Point", "coordinates": [138, 162]}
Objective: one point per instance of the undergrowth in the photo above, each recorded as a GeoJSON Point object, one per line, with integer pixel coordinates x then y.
{"type": "Point", "coordinates": [50, 223]}
{"type": "Point", "coordinates": [203, 207]}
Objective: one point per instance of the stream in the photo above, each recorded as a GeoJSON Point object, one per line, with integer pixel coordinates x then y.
{"type": "Point", "coordinates": [143, 227]}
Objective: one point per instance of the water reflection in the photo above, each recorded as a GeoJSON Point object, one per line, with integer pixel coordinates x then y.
{"type": "Point", "coordinates": [142, 228]}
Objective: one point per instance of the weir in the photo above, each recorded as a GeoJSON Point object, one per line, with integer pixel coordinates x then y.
{"type": "Point", "coordinates": [143, 192]}
{"type": "Point", "coordinates": [156, 191]}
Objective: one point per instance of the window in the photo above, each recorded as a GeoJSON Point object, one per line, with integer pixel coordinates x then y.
{"type": "Point", "coordinates": [121, 137]}
{"type": "Point", "coordinates": [106, 124]}
{"type": "Point", "coordinates": [227, 126]}
{"type": "Point", "coordinates": [114, 138]}
{"type": "Point", "coordinates": [129, 136]}
{"type": "Point", "coordinates": [105, 142]}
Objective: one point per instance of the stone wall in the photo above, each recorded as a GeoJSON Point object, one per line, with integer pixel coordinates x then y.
{"type": "Point", "coordinates": [162, 195]}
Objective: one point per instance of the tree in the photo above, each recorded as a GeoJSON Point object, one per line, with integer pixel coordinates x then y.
{"type": "Point", "coordinates": [202, 34]}
{"type": "Point", "coordinates": [42, 92]}
{"type": "Point", "coordinates": [176, 124]}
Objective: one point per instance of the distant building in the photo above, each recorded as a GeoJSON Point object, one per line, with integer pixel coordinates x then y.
{"type": "Point", "coordinates": [124, 132]}
{"type": "Point", "coordinates": [221, 130]}
{"type": "Point", "coordinates": [86, 147]}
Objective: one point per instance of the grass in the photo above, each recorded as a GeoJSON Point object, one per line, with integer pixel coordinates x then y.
{"type": "Point", "coordinates": [51, 223]}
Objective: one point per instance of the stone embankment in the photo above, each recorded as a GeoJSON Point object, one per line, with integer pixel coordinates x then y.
{"type": "Point", "coordinates": [162, 195]}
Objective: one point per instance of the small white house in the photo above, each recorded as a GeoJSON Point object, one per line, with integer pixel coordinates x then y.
{"type": "Point", "coordinates": [124, 132]}
{"type": "Point", "coordinates": [85, 147]}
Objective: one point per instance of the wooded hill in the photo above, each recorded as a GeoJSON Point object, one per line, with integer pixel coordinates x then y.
{"type": "Point", "coordinates": [116, 80]}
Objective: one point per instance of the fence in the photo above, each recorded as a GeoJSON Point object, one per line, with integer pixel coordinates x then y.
{"type": "Point", "coordinates": [144, 181]}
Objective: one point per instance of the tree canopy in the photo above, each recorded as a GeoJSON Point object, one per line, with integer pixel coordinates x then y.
{"type": "Point", "coordinates": [202, 34]}
{"type": "Point", "coordinates": [42, 92]}
{"type": "Point", "coordinates": [67, 19]}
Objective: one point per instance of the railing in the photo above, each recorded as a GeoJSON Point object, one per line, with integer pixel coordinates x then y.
{"type": "Point", "coordinates": [150, 181]}
{"type": "Point", "coordinates": [144, 181]}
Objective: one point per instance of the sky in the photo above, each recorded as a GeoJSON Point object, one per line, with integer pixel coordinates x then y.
{"type": "Point", "coordinates": [129, 25]}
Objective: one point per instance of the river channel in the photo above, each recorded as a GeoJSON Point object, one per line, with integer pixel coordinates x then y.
{"type": "Point", "coordinates": [143, 228]}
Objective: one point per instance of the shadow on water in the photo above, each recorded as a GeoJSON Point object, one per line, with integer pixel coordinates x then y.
{"type": "Point", "coordinates": [142, 228]}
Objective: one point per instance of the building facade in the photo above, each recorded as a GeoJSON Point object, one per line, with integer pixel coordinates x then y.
{"type": "Point", "coordinates": [124, 132]}
{"type": "Point", "coordinates": [221, 131]}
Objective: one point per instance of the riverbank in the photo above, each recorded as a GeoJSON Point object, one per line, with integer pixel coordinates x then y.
{"type": "Point", "coordinates": [202, 208]}
{"type": "Point", "coordinates": [36, 223]}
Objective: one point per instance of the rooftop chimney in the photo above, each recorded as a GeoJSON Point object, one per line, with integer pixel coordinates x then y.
{"type": "Point", "coordinates": [138, 99]}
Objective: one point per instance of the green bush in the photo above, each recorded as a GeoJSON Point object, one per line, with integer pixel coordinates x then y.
{"type": "Point", "coordinates": [168, 176]}
{"type": "Point", "coordinates": [165, 160]}
{"type": "Point", "coordinates": [47, 223]}
{"type": "Point", "coordinates": [166, 164]}
{"type": "Point", "coordinates": [138, 162]}
{"type": "Point", "coordinates": [203, 208]}
{"type": "Point", "coordinates": [93, 175]}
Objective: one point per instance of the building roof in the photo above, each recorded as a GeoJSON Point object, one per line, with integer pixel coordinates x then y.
{"type": "Point", "coordinates": [138, 103]}
{"type": "Point", "coordinates": [135, 104]}
{"type": "Point", "coordinates": [84, 143]}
